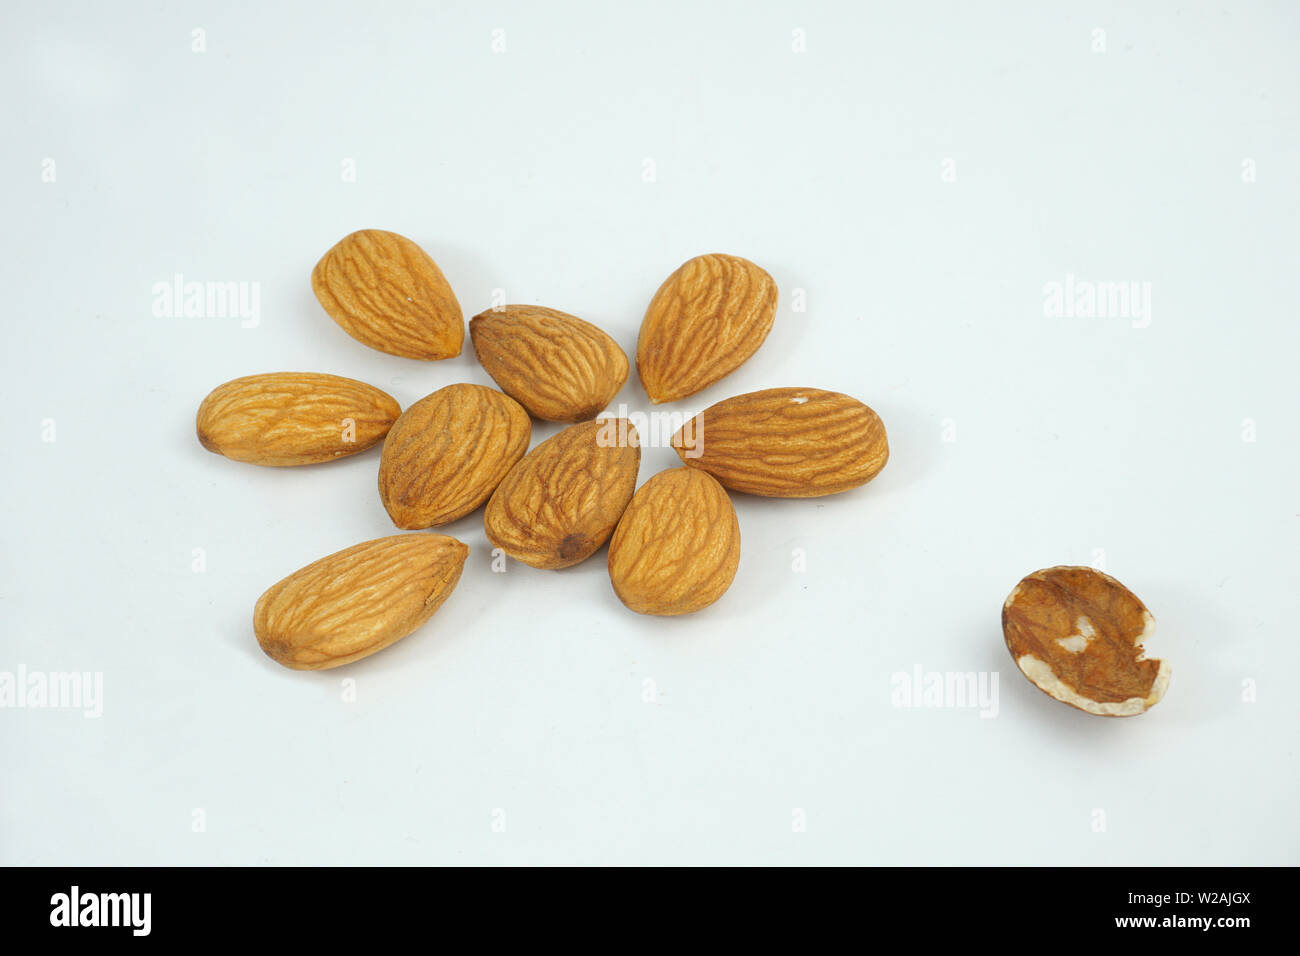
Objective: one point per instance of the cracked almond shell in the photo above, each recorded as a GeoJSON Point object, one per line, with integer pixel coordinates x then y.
{"type": "Point", "coordinates": [388, 293]}
{"type": "Point", "coordinates": [677, 546]}
{"type": "Point", "coordinates": [707, 318]}
{"type": "Point", "coordinates": [448, 452]}
{"type": "Point", "coordinates": [786, 443]}
{"type": "Point", "coordinates": [357, 601]}
{"type": "Point", "coordinates": [558, 366]}
{"type": "Point", "coordinates": [294, 418]}
{"type": "Point", "coordinates": [564, 498]}
{"type": "Point", "coordinates": [1077, 634]}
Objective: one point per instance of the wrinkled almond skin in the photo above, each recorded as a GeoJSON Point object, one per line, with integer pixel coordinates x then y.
{"type": "Point", "coordinates": [786, 443]}
{"type": "Point", "coordinates": [677, 546]}
{"type": "Point", "coordinates": [706, 319]}
{"type": "Point", "coordinates": [387, 293]}
{"type": "Point", "coordinates": [1077, 634]}
{"type": "Point", "coordinates": [448, 452]}
{"type": "Point", "coordinates": [294, 418]}
{"type": "Point", "coordinates": [564, 498]}
{"type": "Point", "coordinates": [559, 367]}
{"type": "Point", "coordinates": [357, 601]}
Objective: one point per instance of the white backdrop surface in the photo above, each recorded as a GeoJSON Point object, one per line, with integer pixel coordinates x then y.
{"type": "Point", "coordinates": [918, 175]}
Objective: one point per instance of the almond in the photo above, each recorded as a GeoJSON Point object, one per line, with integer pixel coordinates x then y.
{"type": "Point", "coordinates": [448, 452]}
{"type": "Point", "coordinates": [357, 601]}
{"type": "Point", "coordinates": [786, 443]}
{"type": "Point", "coordinates": [562, 501]}
{"type": "Point", "coordinates": [706, 319]}
{"type": "Point", "coordinates": [677, 546]}
{"type": "Point", "coordinates": [387, 293]}
{"type": "Point", "coordinates": [1077, 634]}
{"type": "Point", "coordinates": [557, 366]}
{"type": "Point", "coordinates": [294, 418]}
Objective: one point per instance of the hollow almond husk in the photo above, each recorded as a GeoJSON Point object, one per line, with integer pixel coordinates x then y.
{"type": "Point", "coordinates": [1077, 634]}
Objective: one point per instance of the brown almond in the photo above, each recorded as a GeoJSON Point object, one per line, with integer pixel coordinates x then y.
{"type": "Point", "coordinates": [561, 502]}
{"type": "Point", "coordinates": [448, 452]}
{"type": "Point", "coordinates": [559, 367]}
{"type": "Point", "coordinates": [1077, 634]}
{"type": "Point", "coordinates": [387, 293]}
{"type": "Point", "coordinates": [706, 319]}
{"type": "Point", "coordinates": [786, 443]}
{"type": "Point", "coordinates": [357, 601]}
{"type": "Point", "coordinates": [294, 418]}
{"type": "Point", "coordinates": [677, 546]}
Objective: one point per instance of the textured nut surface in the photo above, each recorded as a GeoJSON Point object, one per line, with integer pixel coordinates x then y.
{"type": "Point", "coordinates": [1077, 634]}
{"type": "Point", "coordinates": [706, 319]}
{"type": "Point", "coordinates": [293, 418]}
{"type": "Point", "coordinates": [561, 502]}
{"type": "Point", "coordinates": [448, 452]}
{"type": "Point", "coordinates": [559, 367]}
{"type": "Point", "coordinates": [786, 443]}
{"type": "Point", "coordinates": [677, 546]}
{"type": "Point", "coordinates": [387, 293]}
{"type": "Point", "coordinates": [357, 601]}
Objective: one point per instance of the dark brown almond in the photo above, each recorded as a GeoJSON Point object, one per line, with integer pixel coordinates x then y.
{"type": "Point", "coordinates": [564, 498]}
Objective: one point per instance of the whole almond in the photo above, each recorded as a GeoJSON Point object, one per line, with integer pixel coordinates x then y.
{"type": "Point", "coordinates": [387, 293]}
{"type": "Point", "coordinates": [557, 366]}
{"type": "Point", "coordinates": [294, 418]}
{"type": "Point", "coordinates": [786, 443]}
{"type": "Point", "coordinates": [706, 319]}
{"type": "Point", "coordinates": [448, 452]}
{"type": "Point", "coordinates": [677, 546]}
{"type": "Point", "coordinates": [357, 601]}
{"type": "Point", "coordinates": [1077, 634]}
{"type": "Point", "coordinates": [561, 502]}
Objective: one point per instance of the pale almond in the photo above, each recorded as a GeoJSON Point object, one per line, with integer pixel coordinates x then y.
{"type": "Point", "coordinates": [294, 418]}
{"type": "Point", "coordinates": [357, 601]}
{"type": "Point", "coordinates": [707, 318]}
{"type": "Point", "coordinates": [558, 366]}
{"type": "Point", "coordinates": [448, 452]}
{"type": "Point", "coordinates": [786, 443]}
{"type": "Point", "coordinates": [388, 293]}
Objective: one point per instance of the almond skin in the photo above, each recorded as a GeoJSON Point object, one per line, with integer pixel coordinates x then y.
{"type": "Point", "coordinates": [706, 319]}
{"type": "Point", "coordinates": [387, 293]}
{"type": "Point", "coordinates": [557, 366]}
{"type": "Point", "coordinates": [294, 418]}
{"type": "Point", "coordinates": [1077, 634]}
{"type": "Point", "coordinates": [786, 443]}
{"type": "Point", "coordinates": [357, 601]}
{"type": "Point", "coordinates": [563, 499]}
{"type": "Point", "coordinates": [677, 546]}
{"type": "Point", "coordinates": [448, 452]}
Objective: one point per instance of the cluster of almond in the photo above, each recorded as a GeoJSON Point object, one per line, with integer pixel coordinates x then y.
{"type": "Point", "coordinates": [674, 543]}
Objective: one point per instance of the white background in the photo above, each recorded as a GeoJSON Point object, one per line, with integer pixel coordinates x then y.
{"type": "Point", "coordinates": [521, 702]}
